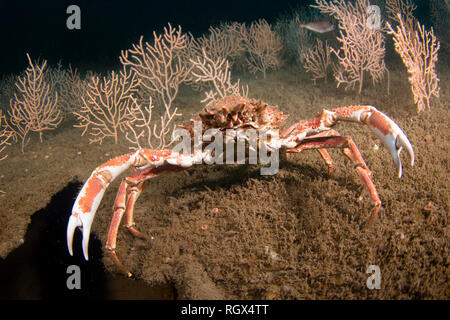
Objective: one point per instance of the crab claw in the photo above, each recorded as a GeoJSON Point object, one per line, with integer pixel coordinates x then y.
{"type": "Point", "coordinates": [74, 222]}
{"type": "Point", "coordinates": [384, 128]}
{"type": "Point", "coordinates": [395, 142]}
{"type": "Point", "coordinates": [83, 219]}
{"type": "Point", "coordinates": [90, 196]}
{"type": "Point", "coordinates": [392, 136]}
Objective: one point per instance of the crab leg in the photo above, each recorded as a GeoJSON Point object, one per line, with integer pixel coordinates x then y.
{"type": "Point", "coordinates": [350, 149]}
{"type": "Point", "coordinates": [133, 194]}
{"type": "Point", "coordinates": [323, 152]}
{"type": "Point", "coordinates": [327, 158]}
{"type": "Point", "coordinates": [124, 203]}
{"type": "Point", "coordinates": [119, 209]}
{"type": "Point", "coordinates": [384, 127]}
{"type": "Point", "coordinates": [91, 194]}
{"type": "Point", "coordinates": [129, 191]}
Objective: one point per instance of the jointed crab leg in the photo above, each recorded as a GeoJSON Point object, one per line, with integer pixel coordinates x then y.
{"type": "Point", "coordinates": [384, 127]}
{"type": "Point", "coordinates": [323, 152]}
{"type": "Point", "coordinates": [350, 149]}
{"type": "Point", "coordinates": [119, 209]}
{"type": "Point", "coordinates": [124, 204]}
{"type": "Point", "coordinates": [89, 198]}
{"type": "Point", "coordinates": [129, 191]}
{"type": "Point", "coordinates": [310, 135]}
{"type": "Point", "coordinates": [132, 196]}
{"type": "Point", "coordinates": [327, 158]}
{"type": "Point", "coordinates": [125, 201]}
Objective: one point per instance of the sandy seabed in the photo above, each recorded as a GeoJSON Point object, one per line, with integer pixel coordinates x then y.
{"type": "Point", "coordinates": [226, 232]}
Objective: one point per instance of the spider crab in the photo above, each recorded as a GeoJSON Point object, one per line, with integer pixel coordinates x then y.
{"type": "Point", "coordinates": [231, 113]}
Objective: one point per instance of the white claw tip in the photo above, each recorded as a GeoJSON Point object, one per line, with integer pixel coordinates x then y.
{"type": "Point", "coordinates": [71, 226]}
{"type": "Point", "coordinates": [84, 222]}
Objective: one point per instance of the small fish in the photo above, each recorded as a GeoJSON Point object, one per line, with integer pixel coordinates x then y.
{"type": "Point", "coordinates": [318, 26]}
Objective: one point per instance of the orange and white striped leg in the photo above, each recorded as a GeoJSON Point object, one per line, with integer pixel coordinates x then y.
{"type": "Point", "coordinates": [393, 138]}
{"type": "Point", "coordinates": [129, 191]}
{"type": "Point", "coordinates": [350, 149]}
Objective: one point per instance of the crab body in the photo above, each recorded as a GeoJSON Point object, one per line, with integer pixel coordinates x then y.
{"type": "Point", "coordinates": [231, 118]}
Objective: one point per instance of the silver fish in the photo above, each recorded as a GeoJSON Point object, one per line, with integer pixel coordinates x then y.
{"type": "Point", "coordinates": [318, 26]}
